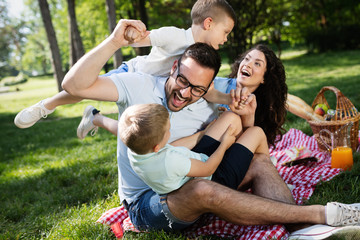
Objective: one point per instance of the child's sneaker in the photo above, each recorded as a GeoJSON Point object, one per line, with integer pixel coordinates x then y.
{"type": "Point", "coordinates": [86, 124]}
{"type": "Point", "coordinates": [29, 116]}
{"type": "Point", "coordinates": [339, 214]}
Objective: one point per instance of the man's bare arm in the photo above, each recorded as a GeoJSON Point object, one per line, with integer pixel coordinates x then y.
{"type": "Point", "coordinates": [83, 78]}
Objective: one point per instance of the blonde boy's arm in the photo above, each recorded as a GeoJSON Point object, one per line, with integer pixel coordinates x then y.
{"type": "Point", "coordinates": [204, 169]}
{"type": "Point", "coordinates": [189, 141]}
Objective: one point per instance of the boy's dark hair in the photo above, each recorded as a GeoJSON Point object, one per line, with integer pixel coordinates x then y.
{"type": "Point", "coordinates": [215, 9]}
{"type": "Point", "coordinates": [204, 55]}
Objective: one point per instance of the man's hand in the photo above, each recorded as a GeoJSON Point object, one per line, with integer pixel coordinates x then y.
{"type": "Point", "coordinates": [132, 35]}
{"type": "Point", "coordinates": [127, 32]}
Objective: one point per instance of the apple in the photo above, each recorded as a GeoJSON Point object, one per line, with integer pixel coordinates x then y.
{"type": "Point", "coordinates": [321, 109]}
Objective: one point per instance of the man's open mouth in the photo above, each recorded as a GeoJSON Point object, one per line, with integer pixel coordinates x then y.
{"type": "Point", "coordinates": [178, 100]}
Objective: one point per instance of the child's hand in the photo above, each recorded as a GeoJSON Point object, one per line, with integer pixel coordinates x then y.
{"type": "Point", "coordinates": [133, 35]}
{"type": "Point", "coordinates": [243, 101]}
{"type": "Point", "coordinates": [229, 137]}
{"type": "Point", "coordinates": [118, 35]}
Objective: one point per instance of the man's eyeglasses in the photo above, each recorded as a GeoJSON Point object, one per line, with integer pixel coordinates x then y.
{"type": "Point", "coordinates": [181, 81]}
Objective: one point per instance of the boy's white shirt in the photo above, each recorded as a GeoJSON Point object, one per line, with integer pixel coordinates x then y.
{"type": "Point", "coordinates": [168, 43]}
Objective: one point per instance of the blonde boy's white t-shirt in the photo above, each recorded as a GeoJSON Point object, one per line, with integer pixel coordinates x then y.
{"type": "Point", "coordinates": [168, 43]}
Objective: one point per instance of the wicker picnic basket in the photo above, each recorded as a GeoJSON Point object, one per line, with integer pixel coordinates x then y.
{"type": "Point", "coordinates": [345, 112]}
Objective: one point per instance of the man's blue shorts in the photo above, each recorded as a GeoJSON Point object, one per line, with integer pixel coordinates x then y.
{"type": "Point", "coordinates": [150, 211]}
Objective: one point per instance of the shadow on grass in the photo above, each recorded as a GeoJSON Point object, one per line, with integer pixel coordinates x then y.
{"type": "Point", "coordinates": [45, 169]}
{"type": "Point", "coordinates": [49, 133]}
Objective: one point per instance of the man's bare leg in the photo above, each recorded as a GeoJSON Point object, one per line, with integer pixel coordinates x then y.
{"type": "Point", "coordinates": [265, 181]}
{"type": "Point", "coordinates": [201, 196]}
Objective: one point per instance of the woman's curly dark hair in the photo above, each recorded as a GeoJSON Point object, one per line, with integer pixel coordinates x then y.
{"type": "Point", "coordinates": [270, 96]}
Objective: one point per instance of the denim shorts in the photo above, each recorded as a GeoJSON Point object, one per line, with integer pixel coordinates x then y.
{"type": "Point", "coordinates": [150, 212]}
{"type": "Point", "coordinates": [122, 68]}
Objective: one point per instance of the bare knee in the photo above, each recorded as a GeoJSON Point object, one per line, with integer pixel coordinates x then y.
{"type": "Point", "coordinates": [261, 160]}
{"type": "Point", "coordinates": [201, 193]}
{"type": "Point", "coordinates": [259, 132]}
{"type": "Point", "coordinates": [192, 200]}
{"type": "Point", "coordinates": [200, 188]}
{"type": "Point", "coordinates": [233, 119]}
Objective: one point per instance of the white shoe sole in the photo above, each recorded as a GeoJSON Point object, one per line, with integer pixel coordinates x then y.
{"type": "Point", "coordinates": [87, 113]}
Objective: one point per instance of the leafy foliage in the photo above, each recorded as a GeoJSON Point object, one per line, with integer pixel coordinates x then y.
{"type": "Point", "coordinates": [321, 25]}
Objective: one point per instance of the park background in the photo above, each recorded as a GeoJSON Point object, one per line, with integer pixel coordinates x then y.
{"type": "Point", "coordinates": [55, 186]}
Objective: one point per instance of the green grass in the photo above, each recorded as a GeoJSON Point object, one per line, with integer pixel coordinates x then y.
{"type": "Point", "coordinates": [54, 186]}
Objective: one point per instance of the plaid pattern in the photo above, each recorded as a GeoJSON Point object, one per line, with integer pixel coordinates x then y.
{"type": "Point", "coordinates": [303, 177]}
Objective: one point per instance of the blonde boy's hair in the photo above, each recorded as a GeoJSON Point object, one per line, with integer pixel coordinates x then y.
{"type": "Point", "coordinates": [215, 9]}
{"type": "Point", "coordinates": [142, 126]}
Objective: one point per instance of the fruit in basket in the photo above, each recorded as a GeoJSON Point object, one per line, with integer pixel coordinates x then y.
{"type": "Point", "coordinates": [321, 109]}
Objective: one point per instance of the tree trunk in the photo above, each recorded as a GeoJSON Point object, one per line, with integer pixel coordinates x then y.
{"type": "Point", "coordinates": [140, 5]}
{"type": "Point", "coordinates": [110, 9]}
{"type": "Point", "coordinates": [50, 33]}
{"type": "Point", "coordinates": [77, 48]}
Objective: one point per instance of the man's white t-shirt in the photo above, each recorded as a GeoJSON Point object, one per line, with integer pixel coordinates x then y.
{"type": "Point", "coordinates": [139, 88]}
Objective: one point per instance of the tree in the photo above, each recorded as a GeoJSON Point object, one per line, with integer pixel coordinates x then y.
{"type": "Point", "coordinates": [51, 36]}
{"type": "Point", "coordinates": [110, 10]}
{"type": "Point", "coordinates": [140, 9]}
{"type": "Point", "coordinates": [251, 17]}
{"type": "Point", "coordinates": [77, 48]}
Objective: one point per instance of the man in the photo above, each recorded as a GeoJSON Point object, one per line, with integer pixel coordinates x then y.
{"type": "Point", "coordinates": [181, 93]}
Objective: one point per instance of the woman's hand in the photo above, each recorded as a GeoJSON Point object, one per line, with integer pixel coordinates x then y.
{"type": "Point", "coordinates": [243, 101]}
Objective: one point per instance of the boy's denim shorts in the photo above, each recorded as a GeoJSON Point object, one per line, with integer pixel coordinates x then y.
{"type": "Point", "coordinates": [122, 68]}
{"type": "Point", "coordinates": [151, 212]}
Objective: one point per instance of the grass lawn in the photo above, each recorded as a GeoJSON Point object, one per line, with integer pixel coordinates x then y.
{"type": "Point", "coordinates": [56, 186]}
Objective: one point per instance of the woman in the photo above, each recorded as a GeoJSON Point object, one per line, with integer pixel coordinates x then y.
{"type": "Point", "coordinates": [263, 73]}
{"type": "Point", "coordinates": [258, 71]}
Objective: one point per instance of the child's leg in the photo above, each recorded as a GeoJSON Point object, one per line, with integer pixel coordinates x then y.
{"type": "Point", "coordinates": [92, 120]}
{"type": "Point", "coordinates": [61, 98]}
{"type": "Point", "coordinates": [30, 115]}
{"type": "Point", "coordinates": [255, 140]}
{"type": "Point", "coordinates": [217, 129]}
{"type": "Point", "coordinates": [106, 123]}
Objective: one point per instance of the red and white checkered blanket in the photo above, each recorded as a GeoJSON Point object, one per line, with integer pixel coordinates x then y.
{"type": "Point", "coordinates": [304, 178]}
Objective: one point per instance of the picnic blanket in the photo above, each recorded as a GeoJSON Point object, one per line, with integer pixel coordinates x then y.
{"type": "Point", "coordinates": [303, 178]}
